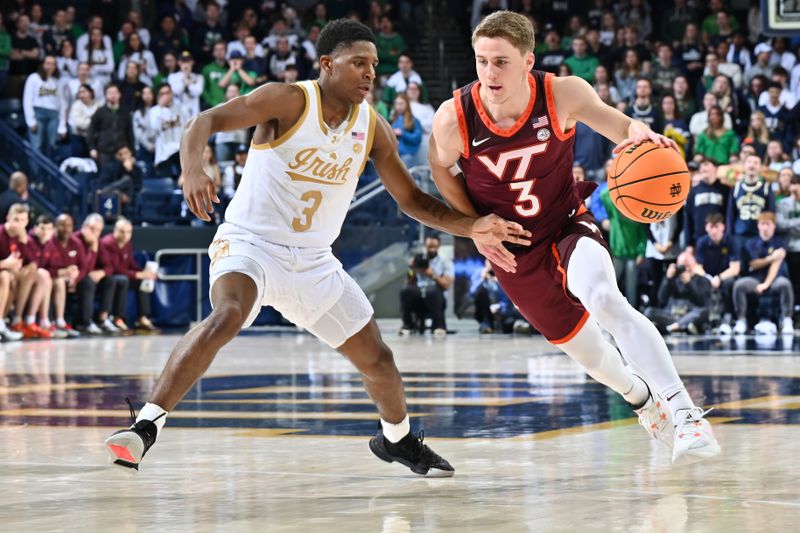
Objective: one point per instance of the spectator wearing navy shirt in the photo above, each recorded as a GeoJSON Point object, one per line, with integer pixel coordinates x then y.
{"type": "Point", "coordinates": [709, 196]}
{"type": "Point", "coordinates": [751, 196]}
{"type": "Point", "coordinates": [714, 251]}
{"type": "Point", "coordinates": [766, 254]}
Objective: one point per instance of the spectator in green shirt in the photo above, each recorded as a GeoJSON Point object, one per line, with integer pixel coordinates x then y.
{"type": "Point", "coordinates": [717, 142]}
{"type": "Point", "coordinates": [710, 26]}
{"type": "Point", "coordinates": [237, 75]}
{"type": "Point", "coordinates": [627, 240]}
{"type": "Point", "coordinates": [213, 93]}
{"type": "Point", "coordinates": [5, 54]}
{"type": "Point", "coordinates": [581, 64]}
{"type": "Point", "coordinates": [390, 45]}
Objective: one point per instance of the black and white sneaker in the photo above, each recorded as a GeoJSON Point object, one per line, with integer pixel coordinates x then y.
{"type": "Point", "coordinates": [412, 452]}
{"type": "Point", "coordinates": [127, 447]}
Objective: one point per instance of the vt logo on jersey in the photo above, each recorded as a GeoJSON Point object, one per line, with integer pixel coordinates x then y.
{"type": "Point", "coordinates": [321, 168]}
{"type": "Point", "coordinates": [524, 155]}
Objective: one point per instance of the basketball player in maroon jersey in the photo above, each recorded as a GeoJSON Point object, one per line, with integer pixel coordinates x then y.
{"type": "Point", "coordinates": [511, 133]}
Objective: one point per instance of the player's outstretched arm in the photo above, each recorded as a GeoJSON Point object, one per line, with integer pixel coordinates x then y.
{"type": "Point", "coordinates": [444, 151]}
{"type": "Point", "coordinates": [491, 230]}
{"type": "Point", "coordinates": [268, 103]}
{"type": "Point", "coordinates": [577, 101]}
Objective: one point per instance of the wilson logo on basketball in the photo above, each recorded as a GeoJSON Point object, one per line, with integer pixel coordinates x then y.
{"type": "Point", "coordinates": [655, 215]}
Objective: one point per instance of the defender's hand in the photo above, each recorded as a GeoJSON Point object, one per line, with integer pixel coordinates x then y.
{"type": "Point", "coordinates": [200, 193]}
{"type": "Point", "coordinates": [490, 232]}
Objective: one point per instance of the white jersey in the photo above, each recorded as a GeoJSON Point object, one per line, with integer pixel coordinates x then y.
{"type": "Point", "coordinates": [295, 190]}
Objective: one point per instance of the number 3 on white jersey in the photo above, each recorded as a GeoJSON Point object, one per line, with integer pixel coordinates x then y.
{"type": "Point", "coordinates": [527, 204]}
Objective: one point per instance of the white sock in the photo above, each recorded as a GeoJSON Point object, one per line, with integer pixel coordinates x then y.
{"type": "Point", "coordinates": [30, 319]}
{"type": "Point", "coordinates": [638, 393]}
{"type": "Point", "coordinates": [394, 433]}
{"type": "Point", "coordinates": [45, 323]}
{"type": "Point", "coordinates": [151, 411]}
{"type": "Point", "coordinates": [16, 320]}
{"type": "Point", "coordinates": [3, 325]}
{"type": "Point", "coordinates": [61, 323]}
{"type": "Point", "coordinates": [677, 398]}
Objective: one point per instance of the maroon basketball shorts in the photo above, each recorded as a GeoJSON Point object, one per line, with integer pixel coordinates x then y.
{"type": "Point", "coordinates": [539, 287]}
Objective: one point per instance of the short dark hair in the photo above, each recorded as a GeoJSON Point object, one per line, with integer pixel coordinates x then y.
{"type": "Point", "coordinates": [44, 219]}
{"type": "Point", "coordinates": [715, 218]}
{"type": "Point", "coordinates": [434, 236]}
{"type": "Point", "coordinates": [342, 33]}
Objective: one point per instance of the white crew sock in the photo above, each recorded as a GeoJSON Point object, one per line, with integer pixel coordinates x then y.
{"type": "Point", "coordinates": [29, 319]}
{"type": "Point", "coordinates": [394, 433]}
{"type": "Point", "coordinates": [677, 399]}
{"type": "Point", "coordinates": [151, 411]}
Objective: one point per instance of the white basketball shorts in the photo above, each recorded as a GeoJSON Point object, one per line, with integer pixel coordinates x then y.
{"type": "Point", "coordinates": [308, 286]}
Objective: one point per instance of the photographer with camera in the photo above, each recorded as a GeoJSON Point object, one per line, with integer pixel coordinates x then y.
{"type": "Point", "coordinates": [429, 276]}
{"type": "Point", "coordinates": [683, 297]}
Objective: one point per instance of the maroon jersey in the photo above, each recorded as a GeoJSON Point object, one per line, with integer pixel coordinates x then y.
{"type": "Point", "coordinates": [89, 256]}
{"type": "Point", "coordinates": [522, 173]}
{"type": "Point", "coordinates": [61, 256]}
{"type": "Point", "coordinates": [9, 245]}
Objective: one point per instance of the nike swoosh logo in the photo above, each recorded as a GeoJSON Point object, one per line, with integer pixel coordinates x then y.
{"type": "Point", "coordinates": [478, 143]}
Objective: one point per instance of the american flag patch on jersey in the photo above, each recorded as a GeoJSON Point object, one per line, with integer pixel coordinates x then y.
{"type": "Point", "coordinates": [541, 122]}
{"type": "Point", "coordinates": [358, 135]}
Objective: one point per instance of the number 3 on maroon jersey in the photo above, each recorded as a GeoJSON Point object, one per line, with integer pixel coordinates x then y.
{"type": "Point", "coordinates": [527, 204]}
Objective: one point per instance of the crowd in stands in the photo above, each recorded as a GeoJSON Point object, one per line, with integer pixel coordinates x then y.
{"type": "Point", "coordinates": [111, 91]}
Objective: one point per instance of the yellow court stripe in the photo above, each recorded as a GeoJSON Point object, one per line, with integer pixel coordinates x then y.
{"type": "Point", "coordinates": [480, 402]}
{"type": "Point", "coordinates": [267, 415]}
{"type": "Point", "coordinates": [289, 389]}
{"type": "Point", "coordinates": [763, 402]}
{"type": "Point", "coordinates": [51, 387]}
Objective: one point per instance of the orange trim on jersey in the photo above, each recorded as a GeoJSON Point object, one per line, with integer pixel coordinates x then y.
{"type": "Point", "coordinates": [462, 123]}
{"type": "Point", "coordinates": [551, 110]}
{"type": "Point", "coordinates": [568, 337]}
{"type": "Point", "coordinates": [554, 249]}
{"type": "Point", "coordinates": [487, 121]}
{"type": "Point", "coordinates": [581, 210]}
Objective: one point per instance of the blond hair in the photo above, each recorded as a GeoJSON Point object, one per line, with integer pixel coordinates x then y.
{"type": "Point", "coordinates": [18, 209]}
{"type": "Point", "coordinates": [513, 27]}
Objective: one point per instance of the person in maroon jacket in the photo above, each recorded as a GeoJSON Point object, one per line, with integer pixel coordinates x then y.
{"type": "Point", "coordinates": [32, 283]}
{"type": "Point", "coordinates": [65, 257]}
{"type": "Point", "coordinates": [115, 256]}
{"type": "Point", "coordinates": [91, 278]}
{"type": "Point", "coordinates": [10, 265]}
{"type": "Point", "coordinates": [38, 237]}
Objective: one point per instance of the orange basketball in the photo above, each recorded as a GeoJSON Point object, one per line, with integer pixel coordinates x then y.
{"type": "Point", "coordinates": [648, 183]}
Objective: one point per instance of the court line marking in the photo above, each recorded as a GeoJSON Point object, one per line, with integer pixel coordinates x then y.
{"type": "Point", "coordinates": [459, 402]}
{"type": "Point", "coordinates": [233, 415]}
{"type": "Point", "coordinates": [707, 497]}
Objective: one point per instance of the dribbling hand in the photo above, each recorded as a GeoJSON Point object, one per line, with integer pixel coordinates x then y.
{"type": "Point", "coordinates": [646, 136]}
{"type": "Point", "coordinates": [200, 193]}
{"type": "Point", "coordinates": [490, 232]}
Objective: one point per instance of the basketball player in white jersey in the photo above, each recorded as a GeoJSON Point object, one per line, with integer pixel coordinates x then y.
{"type": "Point", "coordinates": [311, 143]}
{"type": "Point", "coordinates": [507, 115]}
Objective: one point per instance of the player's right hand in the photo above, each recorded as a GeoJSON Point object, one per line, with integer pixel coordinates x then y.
{"type": "Point", "coordinates": [200, 193]}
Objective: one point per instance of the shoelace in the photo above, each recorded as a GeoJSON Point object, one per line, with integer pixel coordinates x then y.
{"type": "Point", "coordinates": [691, 416]}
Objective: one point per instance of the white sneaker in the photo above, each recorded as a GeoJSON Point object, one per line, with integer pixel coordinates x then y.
{"type": "Point", "coordinates": [787, 328]}
{"type": "Point", "coordinates": [655, 419]}
{"type": "Point", "coordinates": [694, 439]}
{"type": "Point", "coordinates": [108, 326]}
{"type": "Point", "coordinates": [741, 327]}
{"type": "Point", "coordinates": [10, 335]}
{"type": "Point", "coordinates": [404, 332]}
{"type": "Point", "coordinates": [766, 327]}
{"type": "Point", "coordinates": [93, 329]}
{"type": "Point", "coordinates": [440, 332]}
{"type": "Point", "coordinates": [724, 329]}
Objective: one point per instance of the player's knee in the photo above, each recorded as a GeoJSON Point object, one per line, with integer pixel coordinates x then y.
{"type": "Point", "coordinates": [379, 364]}
{"type": "Point", "coordinates": [225, 321]}
{"type": "Point", "coordinates": [605, 299]}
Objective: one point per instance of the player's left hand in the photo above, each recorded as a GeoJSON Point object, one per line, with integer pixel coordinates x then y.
{"type": "Point", "coordinates": [646, 136]}
{"type": "Point", "coordinates": [491, 231]}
